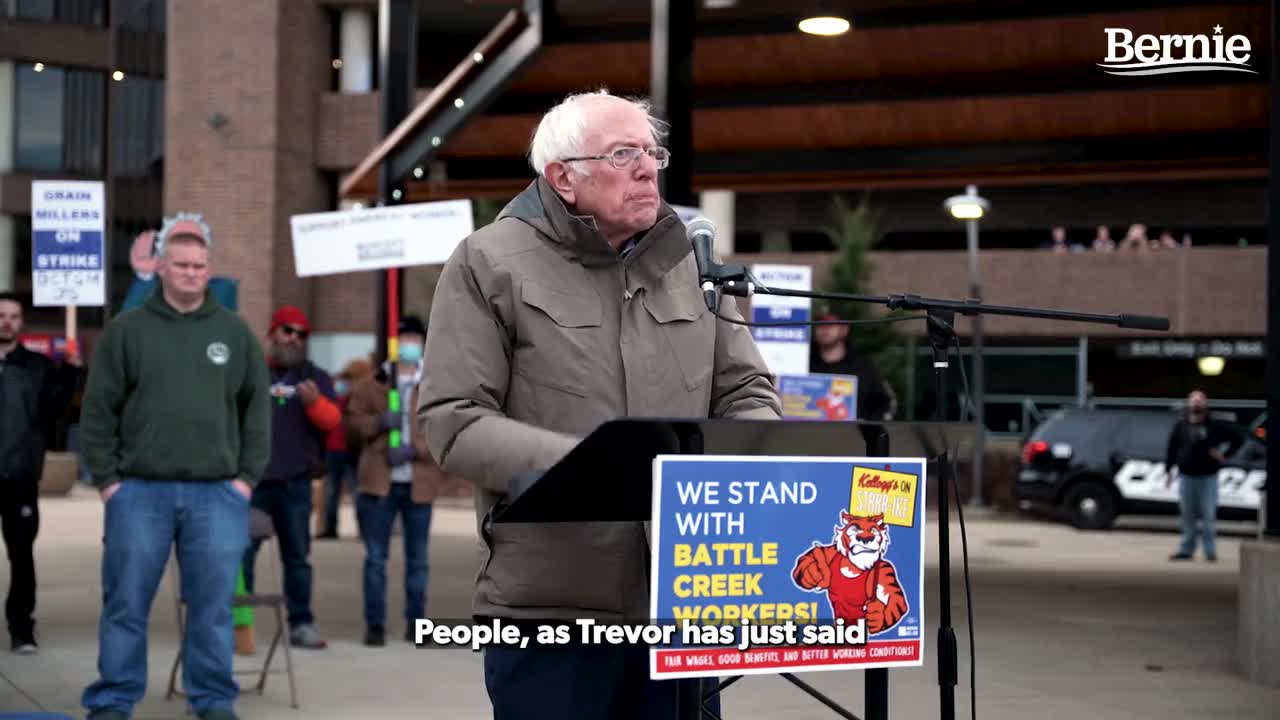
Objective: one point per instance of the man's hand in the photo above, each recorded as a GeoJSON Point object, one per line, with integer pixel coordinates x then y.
{"type": "Point", "coordinates": [308, 391]}
{"type": "Point", "coordinates": [242, 487]}
{"type": "Point", "coordinates": [401, 455]}
{"type": "Point", "coordinates": [1216, 454]}
{"type": "Point", "coordinates": [106, 492]}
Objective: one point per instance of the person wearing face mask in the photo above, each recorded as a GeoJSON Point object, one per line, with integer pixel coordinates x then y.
{"type": "Point", "coordinates": [393, 481]}
{"type": "Point", "coordinates": [1198, 448]}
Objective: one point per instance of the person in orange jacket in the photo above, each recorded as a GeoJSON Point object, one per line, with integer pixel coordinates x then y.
{"type": "Point", "coordinates": [341, 457]}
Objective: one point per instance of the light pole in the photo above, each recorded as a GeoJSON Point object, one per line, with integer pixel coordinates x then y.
{"type": "Point", "coordinates": [971, 207]}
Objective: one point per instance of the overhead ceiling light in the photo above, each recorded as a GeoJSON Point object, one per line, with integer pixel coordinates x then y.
{"type": "Point", "coordinates": [1211, 365]}
{"type": "Point", "coordinates": [117, 76]}
{"type": "Point", "coordinates": [824, 25]}
{"type": "Point", "coordinates": [719, 4]}
{"type": "Point", "coordinates": [969, 206]}
{"type": "Point", "coordinates": [38, 67]}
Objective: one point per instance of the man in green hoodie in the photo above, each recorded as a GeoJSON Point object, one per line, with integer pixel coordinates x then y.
{"type": "Point", "coordinates": [176, 431]}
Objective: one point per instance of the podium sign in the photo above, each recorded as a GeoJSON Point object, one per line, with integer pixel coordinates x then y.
{"type": "Point", "coordinates": [829, 398]}
{"type": "Point", "coordinates": [773, 564]}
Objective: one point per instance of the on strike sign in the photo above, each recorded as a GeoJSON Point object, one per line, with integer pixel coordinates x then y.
{"type": "Point", "coordinates": [67, 228]}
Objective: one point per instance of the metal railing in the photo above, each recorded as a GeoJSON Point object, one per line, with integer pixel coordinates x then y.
{"type": "Point", "coordinates": [1034, 409]}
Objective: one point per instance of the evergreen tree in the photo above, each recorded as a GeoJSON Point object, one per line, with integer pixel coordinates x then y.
{"type": "Point", "coordinates": [855, 232]}
{"type": "Point", "coordinates": [485, 210]}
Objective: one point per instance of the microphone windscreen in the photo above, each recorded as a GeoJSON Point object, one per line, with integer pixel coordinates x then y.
{"type": "Point", "coordinates": [700, 225]}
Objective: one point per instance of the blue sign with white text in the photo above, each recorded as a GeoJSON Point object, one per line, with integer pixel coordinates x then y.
{"type": "Point", "coordinates": [774, 314]}
{"type": "Point", "coordinates": [67, 249]}
{"type": "Point", "coordinates": [817, 563]}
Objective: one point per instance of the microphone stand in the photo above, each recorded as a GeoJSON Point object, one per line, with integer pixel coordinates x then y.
{"type": "Point", "coordinates": [736, 280]}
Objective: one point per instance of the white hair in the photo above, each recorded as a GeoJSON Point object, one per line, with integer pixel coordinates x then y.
{"type": "Point", "coordinates": [561, 132]}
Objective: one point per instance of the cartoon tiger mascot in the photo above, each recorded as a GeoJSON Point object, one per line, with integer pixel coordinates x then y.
{"type": "Point", "coordinates": [858, 581]}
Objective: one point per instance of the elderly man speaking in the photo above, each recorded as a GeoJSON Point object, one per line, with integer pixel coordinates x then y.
{"type": "Point", "coordinates": [580, 304]}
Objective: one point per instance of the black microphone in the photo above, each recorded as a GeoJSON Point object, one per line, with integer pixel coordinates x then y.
{"type": "Point", "coordinates": [1143, 322]}
{"type": "Point", "coordinates": [702, 233]}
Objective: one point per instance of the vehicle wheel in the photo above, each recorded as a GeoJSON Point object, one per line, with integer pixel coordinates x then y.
{"type": "Point", "coordinates": [1090, 505]}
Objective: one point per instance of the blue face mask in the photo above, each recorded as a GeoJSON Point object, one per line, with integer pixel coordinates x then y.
{"type": "Point", "coordinates": [410, 353]}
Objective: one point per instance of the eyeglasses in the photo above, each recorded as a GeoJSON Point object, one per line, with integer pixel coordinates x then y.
{"type": "Point", "coordinates": [625, 157]}
{"type": "Point", "coordinates": [295, 331]}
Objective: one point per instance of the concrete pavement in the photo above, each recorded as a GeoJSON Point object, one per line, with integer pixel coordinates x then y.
{"type": "Point", "coordinates": [1068, 624]}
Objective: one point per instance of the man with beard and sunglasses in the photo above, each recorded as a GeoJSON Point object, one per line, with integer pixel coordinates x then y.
{"type": "Point", "coordinates": [304, 410]}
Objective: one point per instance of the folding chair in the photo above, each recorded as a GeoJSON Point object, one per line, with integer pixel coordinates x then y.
{"type": "Point", "coordinates": [260, 530]}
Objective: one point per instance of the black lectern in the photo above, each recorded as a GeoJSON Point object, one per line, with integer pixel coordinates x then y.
{"type": "Point", "coordinates": [608, 477]}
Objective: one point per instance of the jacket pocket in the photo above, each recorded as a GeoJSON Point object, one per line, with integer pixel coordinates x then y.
{"type": "Point", "coordinates": [688, 331]}
{"type": "Point", "coordinates": [557, 338]}
{"type": "Point", "coordinates": [583, 566]}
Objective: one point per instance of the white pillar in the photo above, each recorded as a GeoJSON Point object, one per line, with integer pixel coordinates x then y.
{"type": "Point", "coordinates": [8, 247]}
{"type": "Point", "coordinates": [356, 50]}
{"type": "Point", "coordinates": [717, 205]}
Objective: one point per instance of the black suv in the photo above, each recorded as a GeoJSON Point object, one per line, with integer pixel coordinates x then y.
{"type": "Point", "coordinates": [1094, 465]}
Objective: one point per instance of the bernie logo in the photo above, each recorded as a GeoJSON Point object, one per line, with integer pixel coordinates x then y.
{"type": "Point", "coordinates": [1165, 54]}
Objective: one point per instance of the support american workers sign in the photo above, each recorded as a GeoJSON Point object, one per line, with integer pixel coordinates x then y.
{"type": "Point", "coordinates": [787, 564]}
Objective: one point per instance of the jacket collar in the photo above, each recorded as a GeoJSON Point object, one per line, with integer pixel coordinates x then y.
{"type": "Point", "coordinates": [19, 355]}
{"type": "Point", "coordinates": [653, 252]}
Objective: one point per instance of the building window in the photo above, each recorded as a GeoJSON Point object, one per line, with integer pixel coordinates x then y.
{"type": "Point", "coordinates": [146, 17]}
{"type": "Point", "coordinates": [138, 127]}
{"type": "Point", "coordinates": [59, 120]}
{"type": "Point", "coordinates": [71, 12]}
{"type": "Point", "coordinates": [39, 122]}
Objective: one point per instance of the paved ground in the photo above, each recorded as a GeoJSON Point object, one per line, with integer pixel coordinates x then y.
{"type": "Point", "coordinates": [1068, 624]}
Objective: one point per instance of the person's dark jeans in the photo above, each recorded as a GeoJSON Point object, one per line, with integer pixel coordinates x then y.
{"type": "Point", "coordinates": [583, 682]}
{"type": "Point", "coordinates": [289, 505]}
{"type": "Point", "coordinates": [376, 516]}
{"type": "Point", "coordinates": [142, 520]}
{"type": "Point", "coordinates": [20, 518]}
{"type": "Point", "coordinates": [341, 470]}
